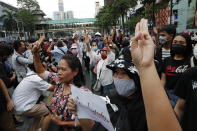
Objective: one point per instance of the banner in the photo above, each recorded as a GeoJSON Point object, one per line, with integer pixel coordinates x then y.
{"type": "Point", "coordinates": [91, 106]}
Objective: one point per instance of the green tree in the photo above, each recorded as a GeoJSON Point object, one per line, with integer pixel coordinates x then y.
{"type": "Point", "coordinates": [28, 4]}
{"type": "Point", "coordinates": [26, 15]}
{"type": "Point", "coordinates": [109, 15]}
{"type": "Point", "coordinates": [28, 19]}
{"type": "Point", "coordinates": [122, 6]}
{"type": "Point", "coordinates": [9, 21]}
{"type": "Point", "coordinates": [133, 21]}
{"type": "Point", "coordinates": [106, 17]}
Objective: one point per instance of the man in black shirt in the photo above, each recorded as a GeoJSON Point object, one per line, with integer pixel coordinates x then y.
{"type": "Point", "coordinates": [6, 105]}
{"type": "Point", "coordinates": [7, 76]}
{"type": "Point", "coordinates": [186, 107]}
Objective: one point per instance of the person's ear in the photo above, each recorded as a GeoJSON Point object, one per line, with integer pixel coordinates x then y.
{"type": "Point", "coordinates": [171, 36]}
{"type": "Point", "coordinates": [75, 72]}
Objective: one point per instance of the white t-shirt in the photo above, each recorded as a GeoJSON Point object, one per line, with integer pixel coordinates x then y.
{"type": "Point", "coordinates": [165, 53]}
{"type": "Point", "coordinates": [28, 92]}
{"type": "Point", "coordinates": [106, 76]}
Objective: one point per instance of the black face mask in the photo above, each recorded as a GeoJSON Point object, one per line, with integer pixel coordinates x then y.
{"type": "Point", "coordinates": [178, 49]}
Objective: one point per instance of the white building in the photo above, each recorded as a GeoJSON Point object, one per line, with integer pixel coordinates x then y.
{"type": "Point", "coordinates": [70, 14]}
{"type": "Point", "coordinates": [61, 5]}
{"type": "Point", "coordinates": [61, 14]}
{"type": "Point", "coordinates": [97, 8]}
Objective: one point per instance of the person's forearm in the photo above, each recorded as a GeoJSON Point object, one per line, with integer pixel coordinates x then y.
{"type": "Point", "coordinates": [159, 113]}
{"type": "Point", "coordinates": [37, 63]}
{"type": "Point", "coordinates": [179, 113]}
{"type": "Point", "coordinates": [5, 91]}
{"type": "Point", "coordinates": [68, 123]}
{"type": "Point", "coordinates": [179, 108]}
{"type": "Point", "coordinates": [88, 47]}
{"type": "Point", "coordinates": [52, 88]}
{"type": "Point", "coordinates": [28, 60]}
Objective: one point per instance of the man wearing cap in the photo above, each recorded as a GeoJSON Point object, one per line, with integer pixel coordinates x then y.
{"type": "Point", "coordinates": [98, 40]}
{"type": "Point", "coordinates": [104, 75]}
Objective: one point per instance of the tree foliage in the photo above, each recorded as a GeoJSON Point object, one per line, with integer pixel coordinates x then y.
{"type": "Point", "coordinates": [28, 4]}
{"type": "Point", "coordinates": [25, 14]}
{"type": "Point", "coordinates": [109, 14]}
{"type": "Point", "coordinates": [27, 18]}
{"type": "Point", "coordinates": [9, 20]}
{"type": "Point", "coordinates": [107, 17]}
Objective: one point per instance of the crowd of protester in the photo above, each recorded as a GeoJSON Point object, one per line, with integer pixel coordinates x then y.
{"type": "Point", "coordinates": [150, 78]}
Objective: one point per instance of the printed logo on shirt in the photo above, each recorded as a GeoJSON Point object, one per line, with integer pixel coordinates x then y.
{"type": "Point", "coordinates": [194, 85]}
{"type": "Point", "coordinates": [182, 69]}
{"type": "Point", "coordinates": [173, 70]}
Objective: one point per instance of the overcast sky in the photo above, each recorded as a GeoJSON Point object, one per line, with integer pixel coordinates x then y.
{"type": "Point", "coordinates": [81, 8]}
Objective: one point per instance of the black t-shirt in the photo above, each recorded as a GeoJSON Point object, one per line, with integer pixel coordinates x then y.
{"type": "Point", "coordinates": [4, 75]}
{"type": "Point", "coordinates": [186, 89]}
{"type": "Point", "coordinates": [2, 102]}
{"type": "Point", "coordinates": [136, 116]}
{"type": "Point", "coordinates": [173, 69]}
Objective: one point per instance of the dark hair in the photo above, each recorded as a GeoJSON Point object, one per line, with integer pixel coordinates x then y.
{"type": "Point", "coordinates": [31, 67]}
{"type": "Point", "coordinates": [74, 64]}
{"type": "Point", "coordinates": [188, 51]}
{"type": "Point", "coordinates": [170, 29]}
{"type": "Point", "coordinates": [125, 43]}
{"type": "Point", "coordinates": [5, 49]}
{"type": "Point", "coordinates": [93, 42]}
{"type": "Point", "coordinates": [59, 44]}
{"type": "Point", "coordinates": [32, 40]}
{"type": "Point", "coordinates": [17, 44]}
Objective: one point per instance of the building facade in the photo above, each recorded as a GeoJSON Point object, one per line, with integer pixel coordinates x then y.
{"type": "Point", "coordinates": [97, 7]}
{"type": "Point", "coordinates": [70, 14]}
{"type": "Point", "coordinates": [4, 6]}
{"type": "Point", "coordinates": [61, 5]}
{"type": "Point", "coordinates": [61, 14]}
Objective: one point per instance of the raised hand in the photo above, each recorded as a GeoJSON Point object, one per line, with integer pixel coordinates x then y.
{"type": "Point", "coordinates": [72, 107]}
{"type": "Point", "coordinates": [87, 39]}
{"type": "Point", "coordinates": [38, 44]}
{"type": "Point", "coordinates": [142, 48]}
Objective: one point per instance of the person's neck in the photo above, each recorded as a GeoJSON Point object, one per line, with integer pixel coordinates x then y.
{"type": "Point", "coordinates": [19, 52]}
{"type": "Point", "coordinates": [67, 88]}
{"type": "Point", "coordinates": [167, 46]}
{"type": "Point", "coordinates": [178, 57]}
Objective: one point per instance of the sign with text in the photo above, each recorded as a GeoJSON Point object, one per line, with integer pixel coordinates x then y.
{"type": "Point", "coordinates": [91, 106]}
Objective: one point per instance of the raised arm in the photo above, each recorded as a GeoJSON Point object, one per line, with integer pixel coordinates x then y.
{"type": "Point", "coordinates": [28, 59]}
{"type": "Point", "coordinates": [40, 70]}
{"type": "Point", "coordinates": [87, 41]}
{"type": "Point", "coordinates": [159, 113]}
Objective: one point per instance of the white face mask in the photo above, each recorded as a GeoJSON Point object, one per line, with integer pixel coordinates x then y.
{"type": "Point", "coordinates": [163, 40]}
{"type": "Point", "coordinates": [124, 87]}
{"type": "Point", "coordinates": [195, 51]}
